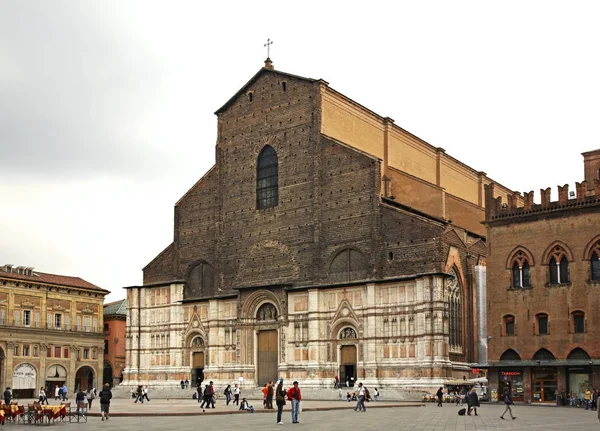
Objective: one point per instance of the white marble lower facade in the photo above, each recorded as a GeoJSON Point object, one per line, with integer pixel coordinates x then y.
{"type": "Point", "coordinates": [385, 333]}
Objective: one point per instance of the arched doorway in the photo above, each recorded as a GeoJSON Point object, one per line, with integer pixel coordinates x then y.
{"type": "Point", "coordinates": [107, 375]}
{"type": "Point", "coordinates": [84, 378]}
{"type": "Point", "coordinates": [348, 356]}
{"type": "Point", "coordinates": [267, 344]}
{"type": "Point", "coordinates": [198, 360]}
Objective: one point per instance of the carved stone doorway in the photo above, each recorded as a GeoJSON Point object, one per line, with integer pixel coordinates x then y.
{"type": "Point", "coordinates": [348, 365]}
{"type": "Point", "coordinates": [267, 358]}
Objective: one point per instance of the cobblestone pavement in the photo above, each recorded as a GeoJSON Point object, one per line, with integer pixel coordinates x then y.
{"type": "Point", "coordinates": [428, 418]}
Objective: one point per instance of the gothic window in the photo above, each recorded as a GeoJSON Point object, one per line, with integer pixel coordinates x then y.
{"type": "Point", "coordinates": [596, 266]}
{"type": "Point", "coordinates": [542, 323]}
{"type": "Point", "coordinates": [578, 322]}
{"type": "Point", "coordinates": [510, 355]}
{"type": "Point", "coordinates": [578, 354]}
{"type": "Point", "coordinates": [558, 266]}
{"type": "Point", "coordinates": [594, 255]}
{"type": "Point", "coordinates": [267, 179]}
{"type": "Point", "coordinates": [348, 265]}
{"type": "Point", "coordinates": [543, 355]}
{"type": "Point", "coordinates": [266, 312]}
{"type": "Point", "coordinates": [509, 325]}
{"type": "Point", "coordinates": [521, 272]}
{"type": "Point", "coordinates": [200, 281]}
{"type": "Point", "coordinates": [348, 334]}
{"type": "Point", "coordinates": [197, 342]}
{"type": "Point", "coordinates": [455, 312]}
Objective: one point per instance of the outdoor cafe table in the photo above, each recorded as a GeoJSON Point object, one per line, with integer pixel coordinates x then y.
{"type": "Point", "coordinates": [57, 411]}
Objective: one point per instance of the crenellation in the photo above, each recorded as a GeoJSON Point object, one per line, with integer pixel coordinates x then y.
{"type": "Point", "coordinates": [546, 198]}
{"type": "Point", "coordinates": [528, 200]}
{"type": "Point", "coordinates": [563, 194]}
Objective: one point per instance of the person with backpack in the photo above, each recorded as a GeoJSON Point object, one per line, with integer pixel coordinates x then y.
{"type": "Point", "coordinates": [472, 402]}
{"type": "Point", "coordinates": [440, 396]}
{"type": "Point", "coordinates": [227, 393]}
{"type": "Point", "coordinates": [507, 402]}
{"type": "Point", "coordinates": [280, 400]}
{"type": "Point", "coordinates": [105, 397]}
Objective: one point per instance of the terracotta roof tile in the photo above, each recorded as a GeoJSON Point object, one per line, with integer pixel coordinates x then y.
{"type": "Point", "coordinates": [59, 280]}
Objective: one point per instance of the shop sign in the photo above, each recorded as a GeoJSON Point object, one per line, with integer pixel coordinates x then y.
{"type": "Point", "coordinates": [510, 373]}
{"type": "Point", "coordinates": [476, 370]}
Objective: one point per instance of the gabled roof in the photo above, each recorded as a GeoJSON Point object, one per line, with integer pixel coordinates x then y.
{"type": "Point", "coordinates": [116, 308]}
{"type": "Point", "coordinates": [258, 74]}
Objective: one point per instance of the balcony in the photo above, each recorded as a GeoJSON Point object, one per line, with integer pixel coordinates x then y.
{"type": "Point", "coordinates": [37, 325]}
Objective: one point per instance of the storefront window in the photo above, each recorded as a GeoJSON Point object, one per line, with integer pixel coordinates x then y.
{"type": "Point", "coordinates": [579, 381]}
{"type": "Point", "coordinates": [513, 380]}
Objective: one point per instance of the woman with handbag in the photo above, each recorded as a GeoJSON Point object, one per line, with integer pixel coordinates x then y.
{"type": "Point", "coordinates": [280, 400]}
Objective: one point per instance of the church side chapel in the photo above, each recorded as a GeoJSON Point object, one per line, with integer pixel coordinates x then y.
{"type": "Point", "coordinates": [325, 241]}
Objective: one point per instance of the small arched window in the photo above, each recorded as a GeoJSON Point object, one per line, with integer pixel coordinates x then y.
{"type": "Point", "coordinates": [542, 323]}
{"type": "Point", "coordinates": [558, 266]}
{"type": "Point", "coordinates": [578, 318]}
{"type": "Point", "coordinates": [509, 325]}
{"type": "Point", "coordinates": [595, 266]}
{"type": "Point", "coordinates": [267, 179]}
{"type": "Point", "coordinates": [521, 273]}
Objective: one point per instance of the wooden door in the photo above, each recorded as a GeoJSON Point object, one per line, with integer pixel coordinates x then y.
{"type": "Point", "coordinates": [268, 358]}
{"type": "Point", "coordinates": [347, 363]}
{"type": "Point", "coordinates": [198, 360]}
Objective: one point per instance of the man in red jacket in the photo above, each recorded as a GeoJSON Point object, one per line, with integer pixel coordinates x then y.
{"type": "Point", "coordinates": [295, 397]}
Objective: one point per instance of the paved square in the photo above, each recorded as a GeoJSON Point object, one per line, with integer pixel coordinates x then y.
{"type": "Point", "coordinates": [429, 418]}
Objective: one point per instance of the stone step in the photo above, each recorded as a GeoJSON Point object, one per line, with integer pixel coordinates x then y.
{"type": "Point", "coordinates": [254, 393]}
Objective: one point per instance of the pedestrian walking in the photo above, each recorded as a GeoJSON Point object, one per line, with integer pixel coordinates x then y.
{"type": "Point", "coordinates": [90, 397]}
{"type": "Point", "coordinates": [376, 395]}
{"type": "Point", "coordinates": [57, 393]}
{"type": "Point", "coordinates": [80, 400]}
{"type": "Point", "coordinates": [360, 395]}
{"type": "Point", "coordinates": [41, 395]}
{"type": "Point", "coordinates": [145, 393]}
{"type": "Point", "coordinates": [588, 398]}
{"type": "Point", "coordinates": [280, 400]}
{"type": "Point", "coordinates": [295, 396]}
{"type": "Point", "coordinates": [227, 393]}
{"type": "Point", "coordinates": [507, 402]}
{"type": "Point", "coordinates": [182, 384]}
{"type": "Point", "coordinates": [64, 393]}
{"type": "Point", "coordinates": [440, 396]}
{"type": "Point", "coordinates": [139, 395]}
{"type": "Point", "coordinates": [336, 382]}
{"type": "Point", "coordinates": [472, 402]}
{"type": "Point", "coordinates": [46, 390]}
{"type": "Point", "coordinates": [187, 383]}
{"type": "Point", "coordinates": [105, 397]}
{"type": "Point", "coordinates": [236, 395]}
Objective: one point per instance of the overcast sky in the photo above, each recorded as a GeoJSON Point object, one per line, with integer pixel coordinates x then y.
{"type": "Point", "coordinates": [106, 107]}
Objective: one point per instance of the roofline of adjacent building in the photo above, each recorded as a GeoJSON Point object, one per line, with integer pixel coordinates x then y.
{"type": "Point", "coordinates": [61, 285]}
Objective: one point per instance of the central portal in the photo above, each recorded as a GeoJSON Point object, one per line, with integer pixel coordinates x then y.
{"type": "Point", "coordinates": [348, 365]}
{"type": "Point", "coordinates": [267, 357]}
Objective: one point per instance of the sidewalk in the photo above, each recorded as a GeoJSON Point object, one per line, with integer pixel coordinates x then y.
{"type": "Point", "coordinates": [161, 407]}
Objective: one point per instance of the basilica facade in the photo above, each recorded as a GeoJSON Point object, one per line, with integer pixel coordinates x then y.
{"type": "Point", "coordinates": [325, 241]}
